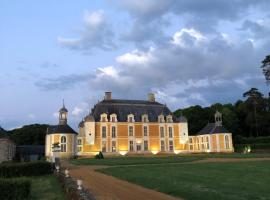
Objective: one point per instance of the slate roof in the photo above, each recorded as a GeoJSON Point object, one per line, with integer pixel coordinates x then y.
{"type": "Point", "coordinates": [61, 129]}
{"type": "Point", "coordinates": [211, 128]}
{"type": "Point", "coordinates": [122, 108]}
{"type": "Point", "coordinates": [4, 134]}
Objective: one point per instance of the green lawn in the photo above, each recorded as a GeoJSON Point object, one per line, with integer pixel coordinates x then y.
{"type": "Point", "coordinates": [46, 187]}
{"type": "Point", "coordinates": [126, 160]}
{"type": "Point", "coordinates": [133, 160]}
{"type": "Point", "coordinates": [204, 181]}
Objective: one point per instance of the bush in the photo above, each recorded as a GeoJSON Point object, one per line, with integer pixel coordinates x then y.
{"type": "Point", "coordinates": [241, 147]}
{"type": "Point", "coordinates": [99, 156]}
{"type": "Point", "coordinates": [15, 189]}
{"type": "Point", "coordinates": [25, 169]}
{"type": "Point", "coordinates": [251, 140]}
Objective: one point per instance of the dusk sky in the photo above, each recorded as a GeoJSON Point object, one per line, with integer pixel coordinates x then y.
{"type": "Point", "coordinates": [186, 52]}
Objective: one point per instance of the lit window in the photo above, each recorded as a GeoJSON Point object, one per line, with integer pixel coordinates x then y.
{"type": "Point", "coordinates": [113, 146]}
{"type": "Point", "coordinates": [139, 147]}
{"type": "Point", "coordinates": [113, 132]}
{"type": "Point", "coordinates": [130, 130]}
{"type": "Point", "coordinates": [145, 145]}
{"type": "Point", "coordinates": [63, 144]}
{"type": "Point", "coordinates": [103, 131]}
{"type": "Point", "coordinates": [162, 145]}
{"type": "Point", "coordinates": [171, 145]}
{"type": "Point", "coordinates": [131, 147]}
{"type": "Point", "coordinates": [145, 131]}
{"type": "Point", "coordinates": [162, 132]}
{"type": "Point", "coordinates": [207, 143]}
{"type": "Point", "coordinates": [170, 132]}
{"type": "Point", "coordinates": [227, 143]}
{"type": "Point", "coordinates": [103, 146]}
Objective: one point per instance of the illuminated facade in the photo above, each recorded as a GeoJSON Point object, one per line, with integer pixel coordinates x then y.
{"type": "Point", "coordinates": [132, 126]}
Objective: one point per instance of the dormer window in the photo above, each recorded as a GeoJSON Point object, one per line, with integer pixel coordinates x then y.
{"type": "Point", "coordinates": [169, 119]}
{"type": "Point", "coordinates": [103, 117]}
{"type": "Point", "coordinates": [145, 119]}
{"type": "Point", "coordinates": [113, 118]}
{"type": "Point", "coordinates": [130, 118]}
{"type": "Point", "coordinates": [161, 118]}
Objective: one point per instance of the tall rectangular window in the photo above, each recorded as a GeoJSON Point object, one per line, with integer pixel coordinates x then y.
{"type": "Point", "coordinates": [131, 146]}
{"type": "Point", "coordinates": [113, 132]}
{"type": "Point", "coordinates": [103, 146]}
{"type": "Point", "coordinates": [145, 145]}
{"type": "Point", "coordinates": [113, 146]}
{"type": "Point", "coordinates": [139, 147]}
{"type": "Point", "coordinates": [130, 130]}
{"type": "Point", "coordinates": [145, 131]}
{"type": "Point", "coordinates": [162, 145]}
{"type": "Point", "coordinates": [130, 119]}
{"type": "Point", "coordinates": [170, 132]}
{"type": "Point", "coordinates": [103, 131]}
{"type": "Point", "coordinates": [162, 132]}
{"type": "Point", "coordinates": [171, 145]}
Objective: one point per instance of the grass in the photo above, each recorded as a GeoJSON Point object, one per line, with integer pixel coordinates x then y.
{"type": "Point", "coordinates": [46, 187]}
{"type": "Point", "coordinates": [113, 161]}
{"type": "Point", "coordinates": [204, 181]}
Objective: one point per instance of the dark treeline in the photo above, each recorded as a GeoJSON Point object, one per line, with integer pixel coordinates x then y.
{"type": "Point", "coordinates": [248, 118]}
{"type": "Point", "coordinates": [30, 134]}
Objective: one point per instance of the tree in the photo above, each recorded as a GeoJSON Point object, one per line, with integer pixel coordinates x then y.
{"type": "Point", "coordinates": [254, 96]}
{"type": "Point", "coordinates": [266, 68]}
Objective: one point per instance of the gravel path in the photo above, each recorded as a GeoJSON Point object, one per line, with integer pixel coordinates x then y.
{"type": "Point", "coordinates": [106, 187]}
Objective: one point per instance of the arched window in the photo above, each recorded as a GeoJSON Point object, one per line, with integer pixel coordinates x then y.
{"type": "Point", "coordinates": [63, 144]}
{"type": "Point", "coordinates": [144, 118]}
{"type": "Point", "coordinates": [169, 119]}
{"type": "Point", "coordinates": [227, 142]}
{"type": "Point", "coordinates": [79, 141]}
{"type": "Point", "coordinates": [161, 118]}
{"type": "Point", "coordinates": [130, 118]}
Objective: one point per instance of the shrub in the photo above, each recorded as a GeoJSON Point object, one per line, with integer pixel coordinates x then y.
{"type": "Point", "coordinates": [15, 189]}
{"type": "Point", "coordinates": [25, 169]}
{"type": "Point", "coordinates": [99, 155]}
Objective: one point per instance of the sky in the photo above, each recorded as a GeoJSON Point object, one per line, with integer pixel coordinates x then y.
{"type": "Point", "coordinates": [187, 52]}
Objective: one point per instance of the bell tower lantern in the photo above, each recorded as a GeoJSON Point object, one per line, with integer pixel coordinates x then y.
{"type": "Point", "coordinates": [63, 113]}
{"type": "Point", "coordinates": [218, 118]}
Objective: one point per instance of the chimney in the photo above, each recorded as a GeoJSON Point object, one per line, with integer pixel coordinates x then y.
{"type": "Point", "coordinates": [108, 96]}
{"type": "Point", "coordinates": [151, 97]}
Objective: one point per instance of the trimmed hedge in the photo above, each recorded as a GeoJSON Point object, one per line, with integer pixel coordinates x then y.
{"type": "Point", "coordinates": [14, 189]}
{"type": "Point", "coordinates": [262, 146]}
{"type": "Point", "coordinates": [25, 169]}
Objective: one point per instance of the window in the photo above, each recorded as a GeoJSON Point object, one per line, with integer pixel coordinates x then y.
{"type": "Point", "coordinates": [63, 144]}
{"type": "Point", "coordinates": [145, 131]}
{"type": "Point", "coordinates": [79, 141]}
{"type": "Point", "coordinates": [103, 119]}
{"type": "Point", "coordinates": [130, 130]}
{"type": "Point", "coordinates": [79, 149]}
{"type": "Point", "coordinates": [131, 118]}
{"type": "Point", "coordinates": [113, 132]}
{"type": "Point", "coordinates": [162, 132]}
{"type": "Point", "coordinates": [161, 119]}
{"type": "Point", "coordinates": [162, 145]}
{"type": "Point", "coordinates": [170, 132]}
{"type": "Point", "coordinates": [113, 119]}
{"type": "Point", "coordinates": [227, 143]}
{"type": "Point", "coordinates": [171, 145]}
{"type": "Point", "coordinates": [169, 119]}
{"type": "Point", "coordinates": [103, 131]}
{"type": "Point", "coordinates": [202, 142]}
{"type": "Point", "coordinates": [113, 146]}
{"type": "Point", "coordinates": [131, 147]}
{"type": "Point", "coordinates": [139, 147]}
{"type": "Point", "coordinates": [103, 146]}
{"type": "Point", "coordinates": [144, 118]}
{"type": "Point", "coordinates": [145, 145]}
{"type": "Point", "coordinates": [207, 143]}
{"type": "Point", "coordinates": [198, 143]}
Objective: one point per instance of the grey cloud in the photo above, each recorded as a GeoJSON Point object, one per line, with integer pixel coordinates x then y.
{"type": "Point", "coordinates": [66, 82]}
{"type": "Point", "coordinates": [96, 34]}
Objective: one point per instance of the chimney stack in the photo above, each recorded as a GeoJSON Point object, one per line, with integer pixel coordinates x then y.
{"type": "Point", "coordinates": [108, 96]}
{"type": "Point", "coordinates": [151, 97]}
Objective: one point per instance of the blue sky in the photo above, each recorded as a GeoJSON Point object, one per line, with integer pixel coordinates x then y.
{"type": "Point", "coordinates": [187, 52]}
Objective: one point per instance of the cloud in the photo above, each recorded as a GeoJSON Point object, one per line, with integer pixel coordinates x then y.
{"type": "Point", "coordinates": [80, 110]}
{"type": "Point", "coordinates": [96, 34]}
